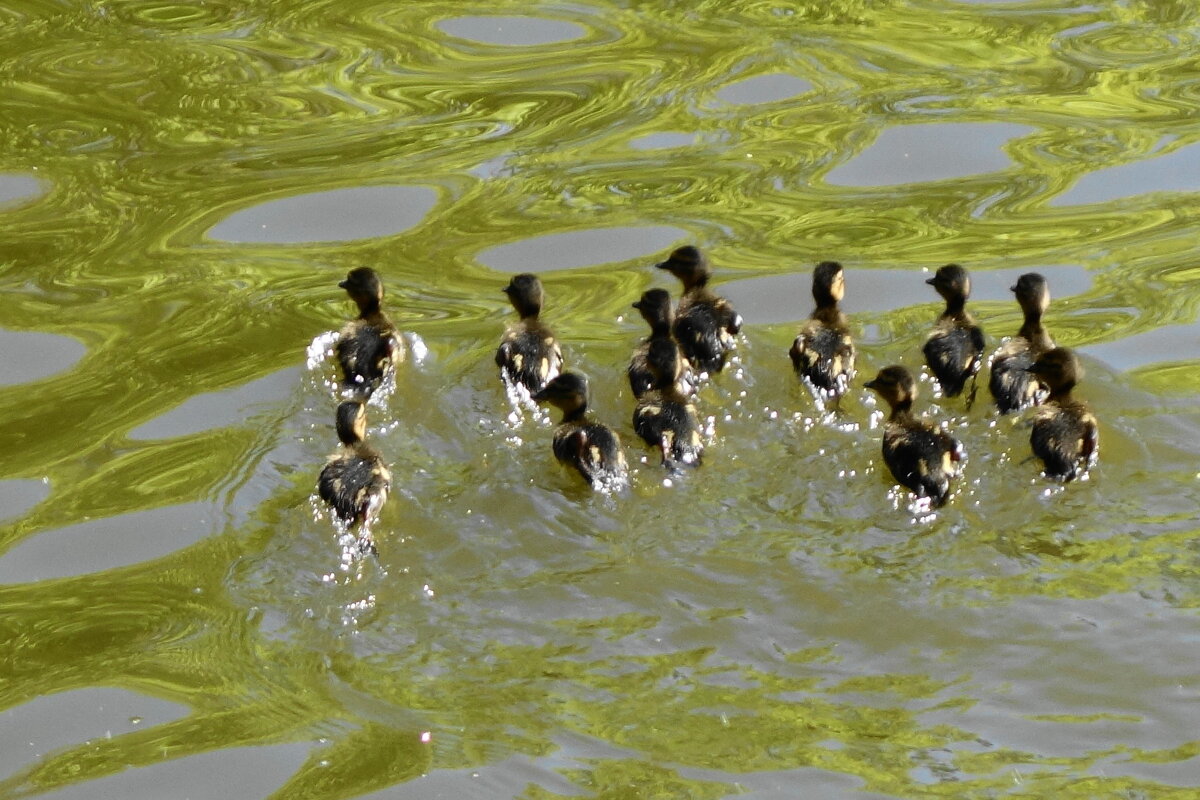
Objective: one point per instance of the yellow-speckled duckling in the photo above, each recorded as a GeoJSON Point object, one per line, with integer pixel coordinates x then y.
{"type": "Point", "coordinates": [823, 353]}
{"type": "Point", "coordinates": [355, 482]}
{"type": "Point", "coordinates": [529, 354]}
{"type": "Point", "coordinates": [655, 307]}
{"type": "Point", "coordinates": [1065, 434]}
{"type": "Point", "coordinates": [954, 349]}
{"type": "Point", "coordinates": [920, 456]}
{"type": "Point", "coordinates": [705, 325]}
{"type": "Point", "coordinates": [368, 346]}
{"type": "Point", "coordinates": [664, 418]}
{"type": "Point", "coordinates": [1011, 383]}
{"type": "Point", "coordinates": [590, 447]}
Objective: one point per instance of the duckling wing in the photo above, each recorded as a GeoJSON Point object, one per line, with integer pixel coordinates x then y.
{"type": "Point", "coordinates": [641, 379]}
{"type": "Point", "coordinates": [921, 459]}
{"type": "Point", "coordinates": [824, 355]}
{"type": "Point", "coordinates": [954, 354]}
{"type": "Point", "coordinates": [1012, 387]}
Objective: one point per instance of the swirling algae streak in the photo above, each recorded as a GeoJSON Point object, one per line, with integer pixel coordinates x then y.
{"type": "Point", "coordinates": [772, 620]}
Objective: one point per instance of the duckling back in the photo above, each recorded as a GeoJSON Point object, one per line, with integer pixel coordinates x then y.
{"type": "Point", "coordinates": [954, 353]}
{"type": "Point", "coordinates": [529, 355]}
{"type": "Point", "coordinates": [366, 351]}
{"type": "Point", "coordinates": [592, 449]}
{"type": "Point", "coordinates": [1066, 438]}
{"type": "Point", "coordinates": [355, 484]}
{"type": "Point", "coordinates": [706, 327]}
{"type": "Point", "coordinates": [921, 458]}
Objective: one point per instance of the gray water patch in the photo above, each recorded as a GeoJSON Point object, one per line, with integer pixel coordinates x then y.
{"type": "Point", "coordinates": [18, 496]}
{"type": "Point", "coordinates": [663, 141]}
{"type": "Point", "coordinates": [930, 152]}
{"type": "Point", "coordinates": [214, 775]}
{"type": "Point", "coordinates": [514, 31]}
{"type": "Point", "coordinates": [106, 543]}
{"type": "Point", "coordinates": [1168, 343]}
{"type": "Point", "coordinates": [221, 409]}
{"type": "Point", "coordinates": [788, 298]}
{"type": "Point", "coordinates": [27, 356]}
{"type": "Point", "coordinates": [16, 188]}
{"type": "Point", "coordinates": [583, 249]}
{"type": "Point", "coordinates": [769, 88]}
{"type": "Point", "coordinates": [1174, 172]}
{"type": "Point", "coordinates": [337, 215]}
{"type": "Point", "coordinates": [45, 724]}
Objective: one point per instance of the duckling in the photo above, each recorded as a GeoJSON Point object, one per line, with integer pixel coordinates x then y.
{"type": "Point", "coordinates": [368, 347]}
{"type": "Point", "coordinates": [354, 482]}
{"type": "Point", "coordinates": [655, 307]}
{"type": "Point", "coordinates": [590, 447]}
{"type": "Point", "coordinates": [663, 417]}
{"type": "Point", "coordinates": [705, 324]}
{"type": "Point", "coordinates": [1011, 383]}
{"type": "Point", "coordinates": [920, 456]}
{"type": "Point", "coordinates": [528, 355]}
{"type": "Point", "coordinates": [954, 349]}
{"type": "Point", "coordinates": [1065, 433]}
{"type": "Point", "coordinates": [823, 353]}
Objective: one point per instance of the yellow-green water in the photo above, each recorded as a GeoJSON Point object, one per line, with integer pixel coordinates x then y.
{"type": "Point", "coordinates": [176, 621]}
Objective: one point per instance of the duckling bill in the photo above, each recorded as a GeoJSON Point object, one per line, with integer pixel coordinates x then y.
{"type": "Point", "coordinates": [705, 325]}
{"type": "Point", "coordinates": [354, 482]}
{"type": "Point", "coordinates": [921, 457]}
{"type": "Point", "coordinates": [1065, 435]}
{"type": "Point", "coordinates": [954, 349]}
{"type": "Point", "coordinates": [368, 346]}
{"type": "Point", "coordinates": [529, 354]}
{"type": "Point", "coordinates": [592, 448]}
{"type": "Point", "coordinates": [823, 353]}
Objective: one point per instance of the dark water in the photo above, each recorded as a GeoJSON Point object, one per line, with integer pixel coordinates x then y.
{"type": "Point", "coordinates": [182, 186]}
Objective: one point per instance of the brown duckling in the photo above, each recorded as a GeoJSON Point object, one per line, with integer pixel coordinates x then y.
{"type": "Point", "coordinates": [1065, 433]}
{"type": "Point", "coordinates": [823, 353]}
{"type": "Point", "coordinates": [921, 457]}
{"type": "Point", "coordinates": [355, 482]}
{"type": "Point", "coordinates": [705, 325]}
{"type": "Point", "coordinates": [368, 347]}
{"type": "Point", "coordinates": [655, 307]}
{"type": "Point", "coordinates": [590, 447]}
{"type": "Point", "coordinates": [1011, 383]}
{"type": "Point", "coordinates": [954, 349]}
{"type": "Point", "coordinates": [529, 354]}
{"type": "Point", "coordinates": [664, 417]}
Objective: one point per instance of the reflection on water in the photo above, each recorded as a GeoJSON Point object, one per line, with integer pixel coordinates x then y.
{"type": "Point", "coordinates": [15, 189]}
{"type": "Point", "coordinates": [775, 623]}
{"type": "Point", "coordinates": [1178, 171]}
{"type": "Point", "coordinates": [764, 89]}
{"type": "Point", "coordinates": [585, 248]}
{"type": "Point", "coordinates": [930, 152]}
{"type": "Point", "coordinates": [788, 298]}
{"type": "Point", "coordinates": [511, 31]}
{"type": "Point", "coordinates": [26, 356]}
{"type": "Point", "coordinates": [336, 215]}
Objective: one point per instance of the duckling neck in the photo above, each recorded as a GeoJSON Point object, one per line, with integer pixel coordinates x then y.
{"type": "Point", "coordinates": [901, 412]}
{"type": "Point", "coordinates": [660, 328]}
{"type": "Point", "coordinates": [1032, 331]}
{"type": "Point", "coordinates": [579, 414]}
{"type": "Point", "coordinates": [829, 313]}
{"type": "Point", "coordinates": [955, 307]}
{"type": "Point", "coordinates": [368, 307]}
{"type": "Point", "coordinates": [1061, 395]}
{"type": "Point", "coordinates": [529, 314]}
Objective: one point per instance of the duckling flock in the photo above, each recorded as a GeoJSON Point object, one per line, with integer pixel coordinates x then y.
{"type": "Point", "coordinates": [689, 343]}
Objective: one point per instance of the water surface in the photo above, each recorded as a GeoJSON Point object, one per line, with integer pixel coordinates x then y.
{"type": "Point", "coordinates": [778, 622]}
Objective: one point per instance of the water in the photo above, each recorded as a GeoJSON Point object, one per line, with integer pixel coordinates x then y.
{"type": "Point", "coordinates": [182, 187]}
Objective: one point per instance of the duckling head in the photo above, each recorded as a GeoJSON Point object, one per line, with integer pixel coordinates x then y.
{"type": "Point", "coordinates": [364, 287]}
{"type": "Point", "coordinates": [1033, 293]}
{"type": "Point", "coordinates": [952, 283]}
{"type": "Point", "coordinates": [664, 362]}
{"type": "Point", "coordinates": [1059, 369]}
{"type": "Point", "coordinates": [525, 293]}
{"type": "Point", "coordinates": [351, 422]}
{"type": "Point", "coordinates": [896, 385]}
{"type": "Point", "coordinates": [829, 284]}
{"type": "Point", "coordinates": [655, 306]}
{"type": "Point", "coordinates": [567, 392]}
{"type": "Point", "coordinates": [689, 265]}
